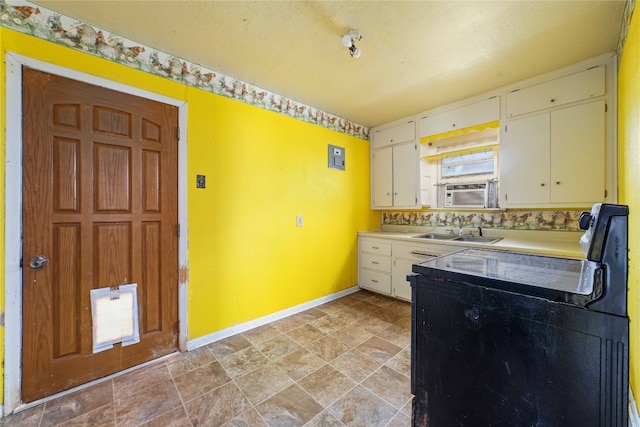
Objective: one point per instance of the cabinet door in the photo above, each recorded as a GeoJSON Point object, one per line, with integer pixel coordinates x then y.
{"type": "Point", "coordinates": [400, 287]}
{"type": "Point", "coordinates": [383, 177]}
{"type": "Point", "coordinates": [578, 154]}
{"type": "Point", "coordinates": [484, 111]}
{"type": "Point", "coordinates": [524, 161]}
{"type": "Point", "coordinates": [394, 135]}
{"type": "Point", "coordinates": [575, 87]}
{"type": "Point", "coordinates": [405, 175]}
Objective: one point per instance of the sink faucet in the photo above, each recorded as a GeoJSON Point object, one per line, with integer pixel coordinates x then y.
{"type": "Point", "coordinates": [453, 222]}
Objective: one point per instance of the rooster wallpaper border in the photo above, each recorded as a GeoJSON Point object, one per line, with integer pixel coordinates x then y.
{"type": "Point", "coordinates": [45, 24]}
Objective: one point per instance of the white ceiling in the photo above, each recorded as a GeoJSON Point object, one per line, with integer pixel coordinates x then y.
{"type": "Point", "coordinates": [416, 55]}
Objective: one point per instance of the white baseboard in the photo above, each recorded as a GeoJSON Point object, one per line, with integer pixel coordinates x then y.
{"type": "Point", "coordinates": [634, 418]}
{"type": "Point", "coordinates": [243, 327]}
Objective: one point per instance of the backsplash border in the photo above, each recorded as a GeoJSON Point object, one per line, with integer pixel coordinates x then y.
{"type": "Point", "coordinates": [543, 220]}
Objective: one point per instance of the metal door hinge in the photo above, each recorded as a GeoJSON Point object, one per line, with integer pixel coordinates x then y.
{"type": "Point", "coordinates": [178, 230]}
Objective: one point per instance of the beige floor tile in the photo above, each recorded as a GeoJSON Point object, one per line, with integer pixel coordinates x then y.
{"type": "Point", "coordinates": [390, 385]}
{"type": "Point", "coordinates": [75, 404]}
{"type": "Point", "coordinates": [360, 407]}
{"type": "Point", "coordinates": [263, 383]}
{"type": "Point", "coordinates": [218, 406]}
{"type": "Point", "coordinates": [356, 365]}
{"type": "Point", "coordinates": [244, 361]}
{"type": "Point", "coordinates": [311, 314]}
{"type": "Point", "coordinates": [278, 346]}
{"type": "Point", "coordinates": [229, 346]}
{"type": "Point", "coordinates": [291, 407]}
{"type": "Point", "coordinates": [147, 404]}
{"type": "Point", "coordinates": [306, 334]}
{"type": "Point", "coordinates": [130, 384]}
{"type": "Point", "coordinates": [288, 323]}
{"type": "Point", "coordinates": [185, 362]}
{"type": "Point", "coordinates": [175, 418]}
{"type": "Point", "coordinates": [261, 333]}
{"type": "Point", "coordinates": [300, 363]}
{"type": "Point", "coordinates": [326, 385]}
{"type": "Point", "coordinates": [250, 418]}
{"type": "Point", "coordinates": [27, 418]}
{"type": "Point", "coordinates": [200, 381]}
{"type": "Point", "coordinates": [324, 419]}
{"type": "Point", "coordinates": [379, 349]}
{"type": "Point", "coordinates": [328, 348]}
{"type": "Point", "coordinates": [103, 416]}
{"type": "Point", "coordinates": [401, 362]}
{"type": "Point", "coordinates": [328, 324]}
{"type": "Point", "coordinates": [352, 335]}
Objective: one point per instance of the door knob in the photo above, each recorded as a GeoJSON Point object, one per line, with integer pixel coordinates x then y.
{"type": "Point", "coordinates": [38, 262]}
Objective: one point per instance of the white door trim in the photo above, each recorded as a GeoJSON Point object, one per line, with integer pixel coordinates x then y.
{"type": "Point", "coordinates": [13, 210]}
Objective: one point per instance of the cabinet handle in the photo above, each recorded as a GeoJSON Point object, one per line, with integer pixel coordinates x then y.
{"type": "Point", "coordinates": [423, 254]}
{"type": "Point", "coordinates": [553, 100]}
{"type": "Point", "coordinates": [374, 247]}
{"type": "Point", "coordinates": [374, 280]}
{"type": "Point", "coordinates": [558, 182]}
{"type": "Point", "coordinates": [542, 185]}
{"type": "Point", "coordinates": [375, 262]}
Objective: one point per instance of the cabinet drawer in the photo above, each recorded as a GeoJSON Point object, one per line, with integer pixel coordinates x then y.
{"type": "Point", "coordinates": [575, 87]}
{"type": "Point", "coordinates": [395, 135]}
{"type": "Point", "coordinates": [420, 253]}
{"type": "Point", "coordinates": [375, 280]}
{"type": "Point", "coordinates": [376, 247]}
{"type": "Point", "coordinates": [376, 262]}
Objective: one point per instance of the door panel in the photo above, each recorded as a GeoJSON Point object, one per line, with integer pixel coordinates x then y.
{"type": "Point", "coordinates": [100, 203]}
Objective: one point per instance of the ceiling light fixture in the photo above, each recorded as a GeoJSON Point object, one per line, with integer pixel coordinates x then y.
{"type": "Point", "coordinates": [349, 39]}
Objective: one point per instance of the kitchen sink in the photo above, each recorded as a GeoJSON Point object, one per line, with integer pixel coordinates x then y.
{"type": "Point", "coordinates": [476, 239]}
{"type": "Point", "coordinates": [436, 236]}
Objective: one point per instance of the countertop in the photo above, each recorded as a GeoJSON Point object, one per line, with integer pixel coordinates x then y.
{"type": "Point", "coordinates": [562, 244]}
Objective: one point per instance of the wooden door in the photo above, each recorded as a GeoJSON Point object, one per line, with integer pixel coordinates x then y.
{"type": "Point", "coordinates": [100, 204]}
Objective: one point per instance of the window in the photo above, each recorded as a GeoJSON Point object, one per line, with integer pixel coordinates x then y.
{"type": "Point", "coordinates": [468, 165]}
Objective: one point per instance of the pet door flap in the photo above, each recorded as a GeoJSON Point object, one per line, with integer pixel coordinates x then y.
{"type": "Point", "coordinates": [115, 316]}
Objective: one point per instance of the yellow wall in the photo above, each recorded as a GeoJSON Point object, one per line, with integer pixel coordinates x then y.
{"type": "Point", "coordinates": [246, 256]}
{"type": "Point", "coordinates": [629, 179]}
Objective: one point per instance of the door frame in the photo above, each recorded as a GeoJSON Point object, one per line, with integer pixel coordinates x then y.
{"type": "Point", "coordinates": [13, 212]}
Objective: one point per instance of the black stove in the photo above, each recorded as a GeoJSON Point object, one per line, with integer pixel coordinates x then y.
{"type": "Point", "coordinates": [510, 339]}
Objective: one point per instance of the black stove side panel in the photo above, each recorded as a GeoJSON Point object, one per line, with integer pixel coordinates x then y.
{"type": "Point", "coordinates": [487, 357]}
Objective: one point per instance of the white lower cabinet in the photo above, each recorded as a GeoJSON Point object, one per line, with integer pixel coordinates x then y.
{"type": "Point", "coordinates": [374, 272]}
{"type": "Point", "coordinates": [404, 256]}
{"type": "Point", "coordinates": [385, 264]}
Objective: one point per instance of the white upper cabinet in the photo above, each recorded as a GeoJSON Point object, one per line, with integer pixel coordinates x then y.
{"type": "Point", "coordinates": [394, 135]}
{"type": "Point", "coordinates": [395, 174]}
{"type": "Point", "coordinates": [555, 158]}
{"type": "Point", "coordinates": [572, 88]}
{"type": "Point", "coordinates": [485, 111]}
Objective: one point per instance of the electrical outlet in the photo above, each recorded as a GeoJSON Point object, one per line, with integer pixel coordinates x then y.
{"type": "Point", "coordinates": [299, 221]}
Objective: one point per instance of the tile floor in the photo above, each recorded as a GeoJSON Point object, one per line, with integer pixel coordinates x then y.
{"type": "Point", "coordinates": [344, 363]}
